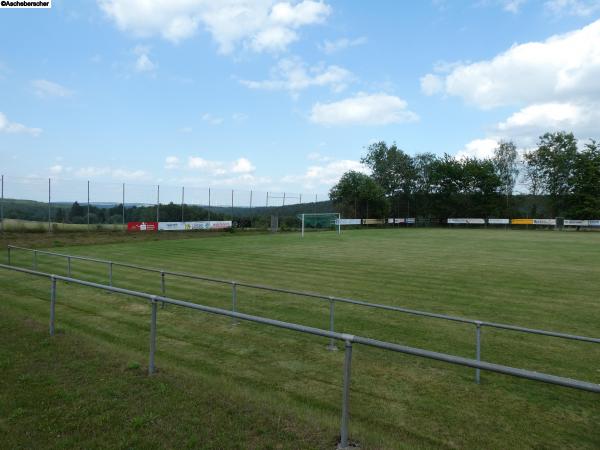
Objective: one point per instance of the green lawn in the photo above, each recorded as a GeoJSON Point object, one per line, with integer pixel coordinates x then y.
{"type": "Point", "coordinates": [288, 385]}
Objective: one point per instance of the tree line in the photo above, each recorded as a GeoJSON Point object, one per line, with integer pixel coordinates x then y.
{"type": "Point", "coordinates": [561, 176]}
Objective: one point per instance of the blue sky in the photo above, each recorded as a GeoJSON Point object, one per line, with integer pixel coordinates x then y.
{"type": "Point", "coordinates": [279, 96]}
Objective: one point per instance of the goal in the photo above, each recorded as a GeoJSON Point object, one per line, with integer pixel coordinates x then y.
{"type": "Point", "coordinates": [320, 221]}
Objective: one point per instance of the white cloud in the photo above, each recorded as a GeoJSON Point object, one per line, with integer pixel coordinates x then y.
{"type": "Point", "coordinates": [143, 63]}
{"type": "Point", "coordinates": [582, 8]}
{"type": "Point", "coordinates": [562, 67]}
{"type": "Point", "coordinates": [363, 109]}
{"type": "Point", "coordinates": [292, 74]}
{"type": "Point", "coordinates": [255, 24]}
{"type": "Point", "coordinates": [56, 169]}
{"type": "Point", "coordinates": [171, 162]}
{"type": "Point", "coordinates": [242, 165]}
{"type": "Point", "coordinates": [478, 148]}
{"type": "Point", "coordinates": [46, 89]}
{"type": "Point", "coordinates": [431, 84]}
{"type": "Point", "coordinates": [316, 156]}
{"type": "Point", "coordinates": [6, 126]}
{"type": "Point", "coordinates": [213, 120]}
{"type": "Point", "coordinates": [330, 47]}
{"type": "Point", "coordinates": [116, 174]}
{"type": "Point", "coordinates": [512, 6]}
{"type": "Point", "coordinates": [326, 174]}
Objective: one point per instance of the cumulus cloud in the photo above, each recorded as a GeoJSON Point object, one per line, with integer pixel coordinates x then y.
{"type": "Point", "coordinates": [512, 6]}
{"type": "Point", "coordinates": [363, 109]}
{"type": "Point", "coordinates": [46, 89]}
{"type": "Point", "coordinates": [259, 25]}
{"type": "Point", "coordinates": [562, 67]}
{"type": "Point", "coordinates": [214, 167]}
{"type": "Point", "coordinates": [292, 74]}
{"type": "Point", "coordinates": [171, 162]}
{"type": "Point", "coordinates": [330, 47]}
{"type": "Point", "coordinates": [325, 174]}
{"type": "Point", "coordinates": [6, 126]}
{"type": "Point", "coordinates": [478, 148]}
{"type": "Point", "coordinates": [431, 84]}
{"type": "Point", "coordinates": [211, 119]}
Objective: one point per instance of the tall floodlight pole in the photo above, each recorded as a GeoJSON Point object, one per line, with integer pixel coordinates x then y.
{"type": "Point", "coordinates": [123, 200]}
{"type": "Point", "coordinates": [2, 206]}
{"type": "Point", "coordinates": [88, 204]}
{"type": "Point", "coordinates": [300, 198]}
{"type": "Point", "coordinates": [182, 199]}
{"type": "Point", "coordinates": [283, 204]}
{"type": "Point", "coordinates": [267, 204]}
{"type": "Point", "coordinates": [49, 206]}
{"type": "Point", "coordinates": [158, 202]}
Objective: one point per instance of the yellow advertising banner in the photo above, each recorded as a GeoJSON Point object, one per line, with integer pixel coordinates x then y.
{"type": "Point", "coordinates": [522, 221]}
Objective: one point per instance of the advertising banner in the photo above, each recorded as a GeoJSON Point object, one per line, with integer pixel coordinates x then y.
{"type": "Point", "coordinates": [343, 222]}
{"type": "Point", "coordinates": [411, 220]}
{"type": "Point", "coordinates": [142, 226]}
{"type": "Point", "coordinates": [372, 221]}
{"type": "Point", "coordinates": [576, 223]}
{"type": "Point", "coordinates": [396, 220]}
{"type": "Point", "coordinates": [467, 221]}
{"type": "Point", "coordinates": [187, 226]}
{"type": "Point", "coordinates": [544, 221]}
{"type": "Point", "coordinates": [594, 223]}
{"type": "Point", "coordinates": [522, 221]}
{"type": "Point", "coordinates": [498, 221]}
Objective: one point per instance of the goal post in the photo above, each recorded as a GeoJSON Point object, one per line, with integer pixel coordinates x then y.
{"type": "Point", "coordinates": [320, 221]}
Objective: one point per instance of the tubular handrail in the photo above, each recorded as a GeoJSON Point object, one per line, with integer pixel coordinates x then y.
{"type": "Point", "coordinates": [347, 300]}
{"type": "Point", "coordinates": [444, 357]}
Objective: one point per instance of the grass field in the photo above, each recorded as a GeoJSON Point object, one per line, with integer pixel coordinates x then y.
{"type": "Point", "coordinates": [249, 386]}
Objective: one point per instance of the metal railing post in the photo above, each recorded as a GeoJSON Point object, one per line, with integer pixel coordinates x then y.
{"type": "Point", "coordinates": [346, 395]}
{"type": "Point", "coordinates": [52, 304]}
{"type": "Point", "coordinates": [151, 366]}
{"type": "Point", "coordinates": [163, 289]}
{"type": "Point", "coordinates": [331, 346]}
{"type": "Point", "coordinates": [35, 260]}
{"type": "Point", "coordinates": [8, 255]}
{"type": "Point", "coordinates": [234, 321]}
{"type": "Point", "coordinates": [110, 270]}
{"type": "Point", "coordinates": [69, 266]}
{"type": "Point", "coordinates": [477, 350]}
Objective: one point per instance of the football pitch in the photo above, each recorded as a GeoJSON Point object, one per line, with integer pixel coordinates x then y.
{"type": "Point", "coordinates": [251, 386]}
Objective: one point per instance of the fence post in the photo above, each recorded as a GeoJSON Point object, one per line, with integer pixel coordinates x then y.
{"type": "Point", "coordinates": [477, 350]}
{"type": "Point", "coordinates": [69, 266]}
{"type": "Point", "coordinates": [49, 207]}
{"type": "Point", "coordinates": [8, 256]}
{"type": "Point", "coordinates": [52, 304]}
{"type": "Point", "coordinates": [151, 367]}
{"type": "Point", "coordinates": [35, 260]}
{"type": "Point", "coordinates": [234, 321]}
{"type": "Point", "coordinates": [163, 288]}
{"type": "Point", "coordinates": [331, 346]}
{"type": "Point", "coordinates": [346, 395]}
{"type": "Point", "coordinates": [110, 267]}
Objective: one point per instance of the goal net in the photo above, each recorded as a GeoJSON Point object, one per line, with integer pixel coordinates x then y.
{"type": "Point", "coordinates": [320, 221]}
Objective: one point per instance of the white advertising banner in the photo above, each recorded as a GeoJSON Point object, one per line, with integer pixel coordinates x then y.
{"type": "Point", "coordinates": [396, 220]}
{"type": "Point", "coordinates": [499, 221]}
{"type": "Point", "coordinates": [576, 223]}
{"type": "Point", "coordinates": [544, 221]}
{"type": "Point", "coordinates": [410, 220]}
{"type": "Point", "coordinates": [347, 222]}
{"type": "Point", "coordinates": [186, 226]}
{"type": "Point", "coordinates": [594, 223]}
{"type": "Point", "coordinates": [467, 221]}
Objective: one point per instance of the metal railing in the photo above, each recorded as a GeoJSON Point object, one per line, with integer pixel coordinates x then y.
{"type": "Point", "coordinates": [348, 340]}
{"type": "Point", "coordinates": [479, 324]}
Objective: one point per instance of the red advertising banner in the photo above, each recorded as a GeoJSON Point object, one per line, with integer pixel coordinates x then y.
{"type": "Point", "coordinates": [142, 226]}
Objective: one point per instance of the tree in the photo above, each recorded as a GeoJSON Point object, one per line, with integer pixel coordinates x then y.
{"type": "Point", "coordinates": [359, 195]}
{"type": "Point", "coordinates": [506, 165]}
{"type": "Point", "coordinates": [391, 168]}
{"type": "Point", "coordinates": [552, 166]}
{"type": "Point", "coordinates": [585, 203]}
